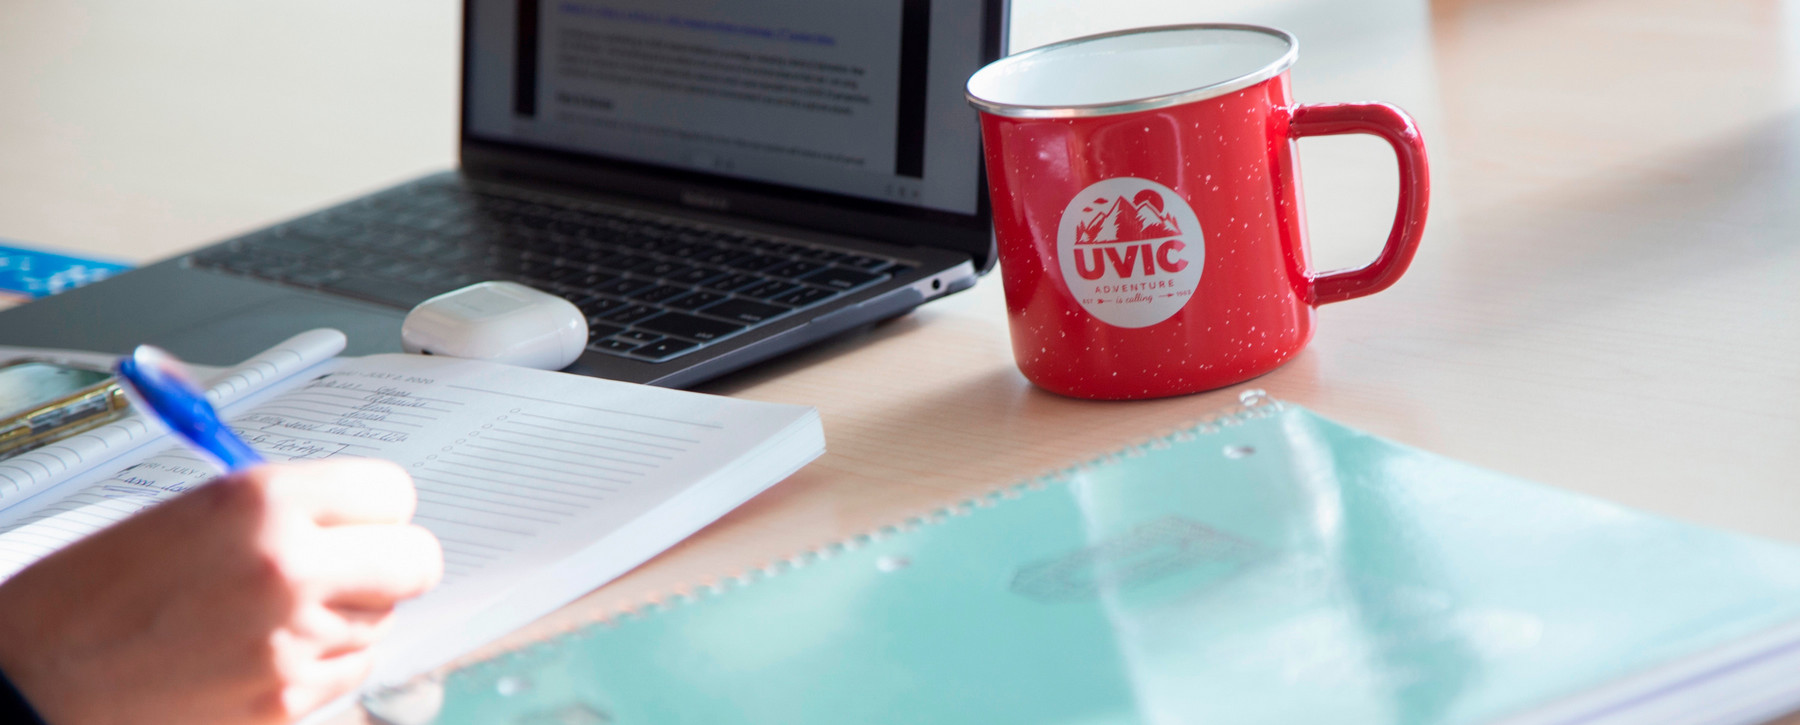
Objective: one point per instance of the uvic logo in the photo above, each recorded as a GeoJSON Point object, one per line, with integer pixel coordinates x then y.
{"type": "Point", "coordinates": [1131, 251]}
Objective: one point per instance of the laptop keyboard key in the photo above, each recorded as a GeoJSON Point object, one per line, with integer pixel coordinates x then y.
{"type": "Point", "coordinates": [614, 346]}
{"type": "Point", "coordinates": [622, 287]}
{"type": "Point", "coordinates": [695, 301]}
{"type": "Point", "coordinates": [717, 256]}
{"type": "Point", "coordinates": [558, 274]}
{"type": "Point", "coordinates": [746, 311]}
{"type": "Point", "coordinates": [664, 349]}
{"type": "Point", "coordinates": [575, 297]}
{"type": "Point", "coordinates": [629, 314]}
{"type": "Point", "coordinates": [659, 293]}
{"type": "Point", "coordinates": [586, 255]}
{"type": "Point", "coordinates": [693, 328]}
{"type": "Point", "coordinates": [659, 268]}
{"type": "Point", "coordinates": [841, 278]}
{"type": "Point", "coordinates": [795, 269]}
{"type": "Point", "coordinates": [810, 252]}
{"type": "Point", "coordinates": [693, 275]}
{"type": "Point", "coordinates": [599, 330]}
{"type": "Point", "coordinates": [501, 258]}
{"type": "Point", "coordinates": [585, 281]}
{"type": "Point", "coordinates": [548, 246]}
{"type": "Point", "coordinates": [755, 262]}
{"type": "Point", "coordinates": [768, 289]}
{"type": "Point", "coordinates": [735, 281]}
{"type": "Point", "coordinates": [628, 262]}
{"type": "Point", "coordinates": [803, 296]}
{"type": "Point", "coordinates": [639, 336]}
{"type": "Point", "coordinates": [597, 307]}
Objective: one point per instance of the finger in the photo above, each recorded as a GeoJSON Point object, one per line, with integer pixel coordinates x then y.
{"type": "Point", "coordinates": [373, 566]}
{"type": "Point", "coordinates": [343, 490]}
{"type": "Point", "coordinates": [330, 631]}
{"type": "Point", "coordinates": [362, 629]}
{"type": "Point", "coordinates": [324, 680]}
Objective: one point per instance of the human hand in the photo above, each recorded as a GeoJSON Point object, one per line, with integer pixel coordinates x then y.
{"type": "Point", "coordinates": [252, 599]}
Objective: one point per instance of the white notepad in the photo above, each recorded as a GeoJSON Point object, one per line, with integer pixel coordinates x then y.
{"type": "Point", "coordinates": [541, 486]}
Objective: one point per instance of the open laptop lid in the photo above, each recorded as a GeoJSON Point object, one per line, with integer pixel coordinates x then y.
{"type": "Point", "coordinates": [846, 117]}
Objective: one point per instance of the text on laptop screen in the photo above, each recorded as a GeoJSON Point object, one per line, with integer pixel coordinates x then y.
{"type": "Point", "coordinates": [858, 98]}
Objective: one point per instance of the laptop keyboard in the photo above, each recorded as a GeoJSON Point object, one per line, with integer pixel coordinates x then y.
{"type": "Point", "coordinates": [653, 288]}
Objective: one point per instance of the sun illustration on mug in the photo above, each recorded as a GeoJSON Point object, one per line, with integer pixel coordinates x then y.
{"type": "Point", "coordinates": [1130, 250]}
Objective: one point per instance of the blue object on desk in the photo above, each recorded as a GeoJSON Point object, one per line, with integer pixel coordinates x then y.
{"type": "Point", "coordinates": [31, 273]}
{"type": "Point", "coordinates": [160, 382]}
{"type": "Point", "coordinates": [1270, 567]}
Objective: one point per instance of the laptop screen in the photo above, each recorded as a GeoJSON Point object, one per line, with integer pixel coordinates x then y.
{"type": "Point", "coordinates": [863, 99]}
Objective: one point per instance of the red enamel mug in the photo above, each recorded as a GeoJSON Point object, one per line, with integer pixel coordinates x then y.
{"type": "Point", "coordinates": [1147, 207]}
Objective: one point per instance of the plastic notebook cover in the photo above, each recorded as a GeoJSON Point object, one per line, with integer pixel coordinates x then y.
{"type": "Point", "coordinates": [1271, 566]}
{"type": "Point", "coordinates": [27, 274]}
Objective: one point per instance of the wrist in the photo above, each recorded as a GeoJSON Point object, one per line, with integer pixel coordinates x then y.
{"type": "Point", "coordinates": [13, 706]}
{"type": "Point", "coordinates": [24, 651]}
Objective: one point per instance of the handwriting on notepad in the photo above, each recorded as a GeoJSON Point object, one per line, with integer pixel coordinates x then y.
{"type": "Point", "coordinates": [333, 415]}
{"type": "Point", "coordinates": [353, 408]}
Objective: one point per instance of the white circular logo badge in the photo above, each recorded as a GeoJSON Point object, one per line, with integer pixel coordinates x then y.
{"type": "Point", "coordinates": [1131, 251]}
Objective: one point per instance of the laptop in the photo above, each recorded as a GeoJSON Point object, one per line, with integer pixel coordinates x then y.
{"type": "Point", "coordinates": [713, 183]}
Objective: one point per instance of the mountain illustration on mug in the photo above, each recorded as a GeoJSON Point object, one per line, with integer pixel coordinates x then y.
{"type": "Point", "coordinates": [1139, 219]}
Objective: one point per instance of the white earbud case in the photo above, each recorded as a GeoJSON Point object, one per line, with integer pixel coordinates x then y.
{"type": "Point", "coordinates": [503, 322]}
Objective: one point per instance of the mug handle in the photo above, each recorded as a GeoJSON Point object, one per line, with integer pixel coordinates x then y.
{"type": "Point", "coordinates": [1392, 124]}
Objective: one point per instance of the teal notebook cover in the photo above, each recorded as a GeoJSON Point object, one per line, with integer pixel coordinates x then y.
{"type": "Point", "coordinates": [1268, 567]}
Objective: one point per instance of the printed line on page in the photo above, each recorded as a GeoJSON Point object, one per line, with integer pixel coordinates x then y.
{"type": "Point", "coordinates": [540, 468]}
{"type": "Point", "coordinates": [598, 456]}
{"type": "Point", "coordinates": [540, 437]}
{"type": "Point", "coordinates": [515, 474]}
{"type": "Point", "coordinates": [562, 510]}
{"type": "Point", "coordinates": [457, 522]}
{"type": "Point", "coordinates": [486, 489]}
{"type": "Point", "coordinates": [676, 449]}
{"type": "Point", "coordinates": [566, 421]}
{"type": "Point", "coordinates": [612, 411]}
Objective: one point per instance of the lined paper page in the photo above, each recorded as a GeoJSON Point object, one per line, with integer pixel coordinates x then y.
{"type": "Point", "coordinates": [517, 471]}
{"type": "Point", "coordinates": [524, 470]}
{"type": "Point", "coordinates": [29, 473]}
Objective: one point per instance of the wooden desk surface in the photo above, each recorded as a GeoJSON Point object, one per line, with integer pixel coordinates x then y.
{"type": "Point", "coordinates": [1604, 301]}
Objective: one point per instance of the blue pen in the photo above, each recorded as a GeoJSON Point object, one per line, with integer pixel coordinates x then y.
{"type": "Point", "coordinates": [161, 382]}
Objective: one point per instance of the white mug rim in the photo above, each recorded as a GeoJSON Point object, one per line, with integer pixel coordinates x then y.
{"type": "Point", "coordinates": [1210, 90]}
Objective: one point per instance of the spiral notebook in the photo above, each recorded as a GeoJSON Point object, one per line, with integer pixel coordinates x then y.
{"type": "Point", "coordinates": [1270, 566]}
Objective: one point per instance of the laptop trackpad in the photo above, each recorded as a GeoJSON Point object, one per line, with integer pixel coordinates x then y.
{"type": "Point", "coordinates": [230, 339]}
